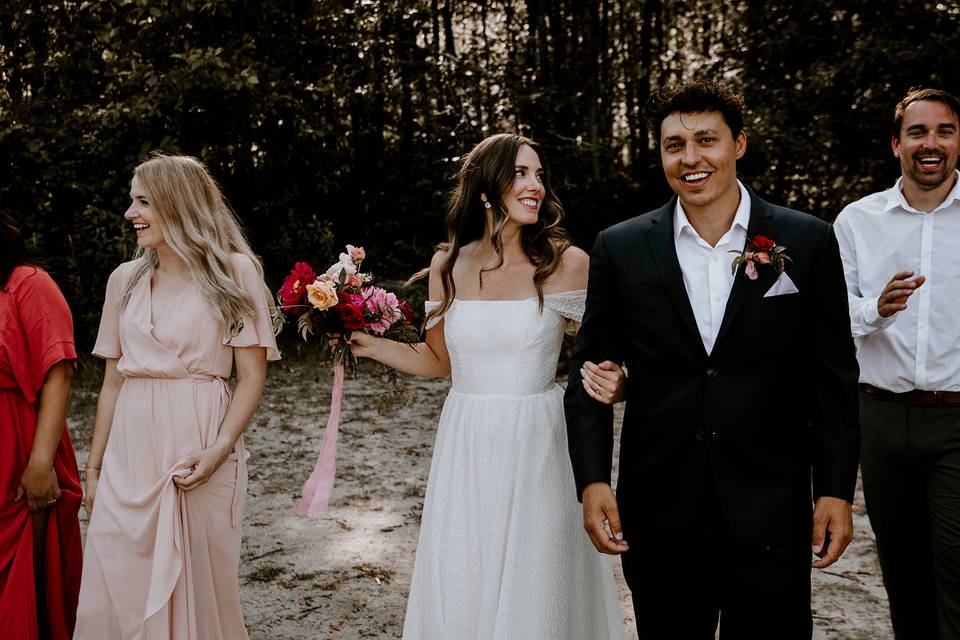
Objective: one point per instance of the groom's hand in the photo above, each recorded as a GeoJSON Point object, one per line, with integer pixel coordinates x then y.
{"type": "Point", "coordinates": [833, 515]}
{"type": "Point", "coordinates": [599, 507]}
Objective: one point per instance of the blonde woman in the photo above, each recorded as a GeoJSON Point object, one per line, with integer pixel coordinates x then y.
{"type": "Point", "coordinates": [166, 475]}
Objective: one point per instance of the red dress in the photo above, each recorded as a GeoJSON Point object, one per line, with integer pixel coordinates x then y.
{"type": "Point", "coordinates": [36, 332]}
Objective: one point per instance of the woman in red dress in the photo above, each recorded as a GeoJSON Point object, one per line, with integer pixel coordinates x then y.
{"type": "Point", "coordinates": [40, 549]}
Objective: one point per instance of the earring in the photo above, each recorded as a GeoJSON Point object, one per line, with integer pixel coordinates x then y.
{"type": "Point", "coordinates": [487, 205]}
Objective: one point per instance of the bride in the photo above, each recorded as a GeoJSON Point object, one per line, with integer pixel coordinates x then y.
{"type": "Point", "coordinates": [502, 553]}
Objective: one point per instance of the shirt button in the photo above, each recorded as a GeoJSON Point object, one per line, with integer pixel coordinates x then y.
{"type": "Point", "coordinates": [711, 373]}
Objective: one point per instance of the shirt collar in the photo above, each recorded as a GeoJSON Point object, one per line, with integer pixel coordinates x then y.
{"type": "Point", "coordinates": [895, 197]}
{"type": "Point", "coordinates": [740, 219]}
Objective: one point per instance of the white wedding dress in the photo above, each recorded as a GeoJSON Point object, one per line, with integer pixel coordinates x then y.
{"type": "Point", "coordinates": [502, 553]}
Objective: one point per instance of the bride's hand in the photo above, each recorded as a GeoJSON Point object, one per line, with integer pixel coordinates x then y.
{"type": "Point", "coordinates": [605, 382]}
{"type": "Point", "coordinates": [362, 344]}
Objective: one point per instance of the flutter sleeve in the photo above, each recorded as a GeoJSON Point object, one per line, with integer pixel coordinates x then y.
{"type": "Point", "coordinates": [47, 329]}
{"type": "Point", "coordinates": [430, 306]}
{"type": "Point", "coordinates": [257, 330]}
{"type": "Point", "coordinates": [108, 336]}
{"type": "Point", "coordinates": [569, 304]}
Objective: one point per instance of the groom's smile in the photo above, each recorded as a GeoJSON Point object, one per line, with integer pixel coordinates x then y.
{"type": "Point", "coordinates": [696, 178]}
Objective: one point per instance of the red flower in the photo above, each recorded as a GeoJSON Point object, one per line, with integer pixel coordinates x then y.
{"type": "Point", "coordinates": [353, 299]}
{"type": "Point", "coordinates": [407, 311]}
{"type": "Point", "coordinates": [292, 292]}
{"type": "Point", "coordinates": [305, 272]}
{"type": "Point", "coordinates": [762, 243]}
{"type": "Point", "coordinates": [294, 288]}
{"type": "Point", "coordinates": [351, 316]}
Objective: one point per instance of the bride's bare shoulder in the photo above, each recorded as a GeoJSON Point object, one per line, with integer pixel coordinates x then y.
{"type": "Point", "coordinates": [571, 273]}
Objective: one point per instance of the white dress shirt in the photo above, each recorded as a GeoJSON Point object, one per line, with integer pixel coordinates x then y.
{"type": "Point", "coordinates": [707, 275]}
{"type": "Point", "coordinates": [879, 235]}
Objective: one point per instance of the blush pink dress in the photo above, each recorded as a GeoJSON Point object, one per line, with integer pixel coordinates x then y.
{"type": "Point", "coordinates": [159, 562]}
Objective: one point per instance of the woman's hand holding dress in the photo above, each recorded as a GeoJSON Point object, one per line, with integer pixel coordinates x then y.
{"type": "Point", "coordinates": [39, 484]}
{"type": "Point", "coordinates": [202, 465]}
{"type": "Point", "coordinates": [251, 367]}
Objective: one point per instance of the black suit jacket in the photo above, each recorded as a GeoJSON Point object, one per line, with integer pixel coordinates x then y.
{"type": "Point", "coordinates": [769, 416]}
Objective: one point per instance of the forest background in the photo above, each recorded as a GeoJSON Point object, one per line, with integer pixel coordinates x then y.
{"type": "Point", "coordinates": [329, 122]}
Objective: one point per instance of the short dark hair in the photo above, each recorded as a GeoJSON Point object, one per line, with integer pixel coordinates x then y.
{"type": "Point", "coordinates": [696, 96]}
{"type": "Point", "coordinates": [916, 94]}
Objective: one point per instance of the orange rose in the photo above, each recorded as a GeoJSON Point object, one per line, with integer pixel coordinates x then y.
{"type": "Point", "coordinates": [322, 295]}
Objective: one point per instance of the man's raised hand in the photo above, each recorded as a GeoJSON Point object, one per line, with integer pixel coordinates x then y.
{"type": "Point", "coordinates": [894, 297]}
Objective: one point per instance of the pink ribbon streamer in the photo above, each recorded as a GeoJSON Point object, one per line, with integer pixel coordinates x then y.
{"type": "Point", "coordinates": [316, 492]}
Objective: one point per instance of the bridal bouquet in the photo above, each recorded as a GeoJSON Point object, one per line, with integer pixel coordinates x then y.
{"type": "Point", "coordinates": [334, 304]}
{"type": "Point", "coordinates": [343, 300]}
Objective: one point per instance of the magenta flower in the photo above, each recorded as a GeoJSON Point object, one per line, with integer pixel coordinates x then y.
{"type": "Point", "coordinates": [382, 309]}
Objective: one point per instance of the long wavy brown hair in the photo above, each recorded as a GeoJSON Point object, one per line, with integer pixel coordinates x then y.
{"type": "Point", "coordinates": [490, 169]}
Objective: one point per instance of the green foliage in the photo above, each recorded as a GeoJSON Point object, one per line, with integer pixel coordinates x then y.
{"type": "Point", "coordinates": [333, 121]}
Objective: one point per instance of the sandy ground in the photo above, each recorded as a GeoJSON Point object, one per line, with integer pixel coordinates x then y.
{"type": "Point", "coordinates": [347, 574]}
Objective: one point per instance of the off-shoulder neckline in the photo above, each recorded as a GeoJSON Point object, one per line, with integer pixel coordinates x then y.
{"type": "Point", "coordinates": [555, 294]}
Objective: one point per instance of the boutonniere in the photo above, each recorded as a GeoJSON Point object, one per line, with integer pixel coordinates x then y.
{"type": "Point", "coordinates": [761, 250]}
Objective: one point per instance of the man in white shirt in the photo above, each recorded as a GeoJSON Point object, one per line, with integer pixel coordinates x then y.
{"type": "Point", "coordinates": [902, 264]}
{"type": "Point", "coordinates": [740, 438]}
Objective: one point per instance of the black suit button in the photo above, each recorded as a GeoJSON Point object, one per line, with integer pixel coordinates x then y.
{"type": "Point", "coordinates": [711, 373]}
{"type": "Point", "coordinates": [713, 435]}
{"type": "Point", "coordinates": [699, 435]}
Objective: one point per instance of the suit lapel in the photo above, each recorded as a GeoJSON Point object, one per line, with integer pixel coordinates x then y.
{"type": "Point", "coordinates": [664, 249]}
{"type": "Point", "coordinates": [761, 224]}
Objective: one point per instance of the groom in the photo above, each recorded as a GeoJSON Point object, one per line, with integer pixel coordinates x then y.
{"type": "Point", "coordinates": [742, 400]}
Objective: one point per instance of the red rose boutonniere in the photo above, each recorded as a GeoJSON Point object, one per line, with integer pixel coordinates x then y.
{"type": "Point", "coordinates": [761, 250]}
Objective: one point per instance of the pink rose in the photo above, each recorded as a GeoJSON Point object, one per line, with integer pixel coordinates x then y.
{"type": "Point", "coordinates": [357, 254]}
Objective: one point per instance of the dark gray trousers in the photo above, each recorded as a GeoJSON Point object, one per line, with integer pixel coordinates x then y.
{"type": "Point", "coordinates": [910, 463]}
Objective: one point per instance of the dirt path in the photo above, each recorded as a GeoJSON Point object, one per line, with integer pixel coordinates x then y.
{"type": "Point", "coordinates": [346, 575]}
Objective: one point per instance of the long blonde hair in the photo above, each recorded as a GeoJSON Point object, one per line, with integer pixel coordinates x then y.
{"type": "Point", "coordinates": [201, 229]}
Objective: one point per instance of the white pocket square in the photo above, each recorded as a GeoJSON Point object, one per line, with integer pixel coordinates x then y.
{"type": "Point", "coordinates": [782, 286]}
